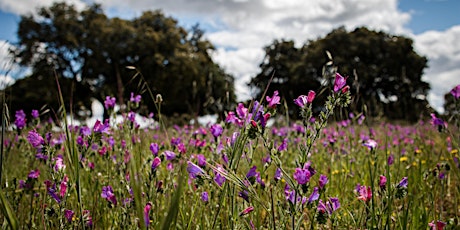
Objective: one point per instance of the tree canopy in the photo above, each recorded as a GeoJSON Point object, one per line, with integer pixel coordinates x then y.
{"type": "Point", "coordinates": [384, 71]}
{"type": "Point", "coordinates": [93, 51]}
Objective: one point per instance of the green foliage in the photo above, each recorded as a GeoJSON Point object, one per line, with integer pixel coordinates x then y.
{"type": "Point", "coordinates": [95, 50]}
{"type": "Point", "coordinates": [384, 71]}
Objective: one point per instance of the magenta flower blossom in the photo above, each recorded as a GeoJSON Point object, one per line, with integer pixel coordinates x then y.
{"type": "Point", "coordinates": [323, 181]}
{"type": "Point", "coordinates": [34, 174]}
{"type": "Point", "coordinates": [247, 211]}
{"type": "Point", "coordinates": [201, 160]}
{"type": "Point", "coordinates": [35, 140]}
{"type": "Point", "coordinates": [216, 130]}
{"type": "Point", "coordinates": [170, 155]}
{"type": "Point", "coordinates": [274, 100]}
{"type": "Point", "coordinates": [109, 102]}
{"type": "Point", "coordinates": [218, 175]}
{"type": "Point", "coordinates": [147, 209]}
{"type": "Point", "coordinates": [330, 206]}
{"type": "Point", "coordinates": [68, 214]}
{"type": "Point", "coordinates": [371, 144]}
{"type": "Point", "coordinates": [364, 193]}
{"type": "Point", "coordinates": [20, 121]}
{"type": "Point", "coordinates": [35, 114]}
{"type": "Point", "coordinates": [283, 145]}
{"type": "Point", "coordinates": [439, 225]}
{"type": "Point", "coordinates": [155, 163]}
{"type": "Point", "coordinates": [339, 82]}
{"type": "Point", "coordinates": [382, 182]}
{"type": "Point", "coordinates": [63, 186]}
{"type": "Point", "coordinates": [456, 92]}
{"type": "Point", "coordinates": [194, 170]}
{"type": "Point", "coordinates": [107, 193]}
{"type": "Point", "coordinates": [302, 176]}
{"type": "Point", "coordinates": [438, 122]}
{"type": "Point", "coordinates": [303, 100]}
{"type": "Point", "coordinates": [100, 127]}
{"type": "Point", "coordinates": [135, 98]}
{"type": "Point", "coordinates": [252, 172]}
{"type": "Point", "coordinates": [59, 163]}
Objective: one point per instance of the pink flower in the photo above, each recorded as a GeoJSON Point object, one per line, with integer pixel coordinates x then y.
{"type": "Point", "coordinates": [302, 176]}
{"type": "Point", "coordinates": [34, 174]}
{"type": "Point", "coordinates": [274, 100]}
{"type": "Point", "coordinates": [439, 225]}
{"type": "Point", "coordinates": [365, 193]}
{"type": "Point", "coordinates": [109, 102]}
{"type": "Point", "coordinates": [35, 140]}
{"type": "Point", "coordinates": [303, 100]}
{"type": "Point", "coordinates": [247, 211]}
{"type": "Point", "coordinates": [155, 163]}
{"type": "Point", "coordinates": [339, 82]}
{"type": "Point", "coordinates": [456, 92]}
{"type": "Point", "coordinates": [147, 208]}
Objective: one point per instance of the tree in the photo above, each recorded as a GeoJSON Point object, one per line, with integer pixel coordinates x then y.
{"type": "Point", "coordinates": [385, 71]}
{"type": "Point", "coordinates": [94, 51]}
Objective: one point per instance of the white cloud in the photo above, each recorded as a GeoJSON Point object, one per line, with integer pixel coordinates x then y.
{"type": "Point", "coordinates": [241, 28]}
{"type": "Point", "coordinates": [443, 52]}
{"type": "Point", "coordinates": [24, 7]}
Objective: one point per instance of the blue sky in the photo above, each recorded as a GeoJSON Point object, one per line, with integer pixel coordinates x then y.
{"type": "Point", "coordinates": [431, 14]}
{"type": "Point", "coordinates": [241, 28]}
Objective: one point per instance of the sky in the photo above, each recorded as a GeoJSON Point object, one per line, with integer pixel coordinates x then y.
{"type": "Point", "coordinates": [241, 28]}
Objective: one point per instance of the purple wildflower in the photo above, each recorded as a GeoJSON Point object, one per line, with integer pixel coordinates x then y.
{"type": "Point", "coordinates": [170, 155]}
{"type": "Point", "coordinates": [216, 130]}
{"type": "Point", "coordinates": [314, 195]}
{"type": "Point", "coordinates": [20, 121]}
{"type": "Point", "coordinates": [194, 170]}
{"type": "Point", "coordinates": [322, 181]}
{"type": "Point", "coordinates": [339, 82]}
{"type": "Point", "coordinates": [274, 100]}
{"type": "Point", "coordinates": [109, 102]}
{"type": "Point", "coordinates": [201, 160]}
{"type": "Point", "coordinates": [147, 208]}
{"type": "Point", "coordinates": [154, 148]}
{"type": "Point", "coordinates": [155, 163]}
{"type": "Point", "coordinates": [205, 197]}
{"type": "Point", "coordinates": [382, 182]}
{"type": "Point", "coordinates": [35, 114]}
{"type": "Point", "coordinates": [302, 176]}
{"type": "Point", "coordinates": [69, 214]}
{"type": "Point", "coordinates": [456, 92]}
{"type": "Point", "coordinates": [283, 145]}
{"type": "Point", "coordinates": [107, 193]}
{"type": "Point", "coordinates": [100, 127]}
{"type": "Point", "coordinates": [303, 100]}
{"type": "Point", "coordinates": [34, 174]}
{"type": "Point", "coordinates": [403, 183]}
{"type": "Point", "coordinates": [364, 193]}
{"type": "Point", "coordinates": [35, 140]}
{"type": "Point", "coordinates": [371, 144]}
{"type": "Point", "coordinates": [278, 174]}
{"type": "Point", "coordinates": [135, 98]}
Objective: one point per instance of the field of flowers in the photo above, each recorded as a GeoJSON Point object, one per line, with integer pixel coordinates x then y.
{"type": "Point", "coordinates": [239, 173]}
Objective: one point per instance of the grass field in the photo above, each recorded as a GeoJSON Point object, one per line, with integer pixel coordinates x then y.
{"type": "Point", "coordinates": [236, 174]}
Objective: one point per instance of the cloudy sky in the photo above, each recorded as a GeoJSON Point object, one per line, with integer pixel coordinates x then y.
{"type": "Point", "coordinates": [241, 28]}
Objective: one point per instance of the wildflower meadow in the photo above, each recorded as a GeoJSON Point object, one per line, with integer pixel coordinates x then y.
{"type": "Point", "coordinates": [256, 169]}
